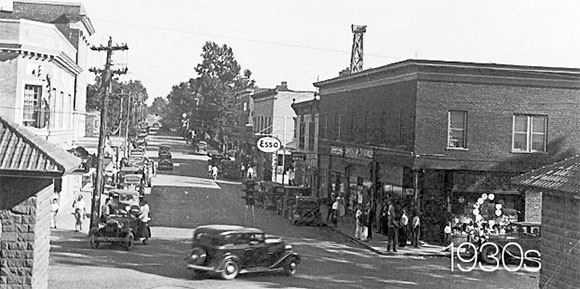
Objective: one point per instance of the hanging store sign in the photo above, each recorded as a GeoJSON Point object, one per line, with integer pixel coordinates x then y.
{"type": "Point", "coordinates": [269, 144]}
{"type": "Point", "coordinates": [298, 156]}
{"type": "Point", "coordinates": [337, 151]}
{"type": "Point", "coordinates": [358, 153]}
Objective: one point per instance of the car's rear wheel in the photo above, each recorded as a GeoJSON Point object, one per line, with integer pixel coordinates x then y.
{"type": "Point", "coordinates": [290, 267]}
{"type": "Point", "coordinates": [230, 271]}
{"type": "Point", "coordinates": [129, 241]}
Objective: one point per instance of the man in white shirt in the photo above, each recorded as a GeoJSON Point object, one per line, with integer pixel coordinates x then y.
{"type": "Point", "coordinates": [144, 217]}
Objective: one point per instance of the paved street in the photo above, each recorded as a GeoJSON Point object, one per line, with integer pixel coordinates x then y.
{"type": "Point", "coordinates": [185, 198]}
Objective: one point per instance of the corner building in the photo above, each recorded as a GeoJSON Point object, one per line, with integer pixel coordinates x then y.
{"type": "Point", "coordinates": [434, 136]}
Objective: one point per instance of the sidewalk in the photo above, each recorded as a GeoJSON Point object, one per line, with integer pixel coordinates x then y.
{"type": "Point", "coordinates": [378, 243]}
{"type": "Point", "coordinates": [65, 219]}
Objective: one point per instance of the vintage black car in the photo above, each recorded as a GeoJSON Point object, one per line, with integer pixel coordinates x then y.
{"type": "Point", "coordinates": [525, 234]}
{"type": "Point", "coordinates": [165, 164]}
{"type": "Point", "coordinates": [122, 228]}
{"type": "Point", "coordinates": [228, 250]}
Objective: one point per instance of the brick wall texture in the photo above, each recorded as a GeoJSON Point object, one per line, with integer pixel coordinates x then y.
{"type": "Point", "coordinates": [25, 232]}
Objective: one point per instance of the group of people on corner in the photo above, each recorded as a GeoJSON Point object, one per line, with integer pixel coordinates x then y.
{"type": "Point", "coordinates": [80, 212]}
{"type": "Point", "coordinates": [400, 229]}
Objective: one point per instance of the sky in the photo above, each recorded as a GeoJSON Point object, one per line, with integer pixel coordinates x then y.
{"type": "Point", "coordinates": [304, 41]}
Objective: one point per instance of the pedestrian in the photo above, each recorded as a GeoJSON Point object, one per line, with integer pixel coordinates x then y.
{"type": "Point", "coordinates": [447, 234]}
{"type": "Point", "coordinates": [242, 171]}
{"type": "Point", "coordinates": [54, 210]}
{"type": "Point", "coordinates": [392, 229]}
{"type": "Point", "coordinates": [357, 223]}
{"type": "Point", "coordinates": [364, 217]}
{"type": "Point", "coordinates": [404, 223]}
{"type": "Point", "coordinates": [383, 222]}
{"type": "Point", "coordinates": [333, 213]}
{"type": "Point", "coordinates": [250, 173]}
{"type": "Point", "coordinates": [209, 168]}
{"type": "Point", "coordinates": [106, 210]}
{"type": "Point", "coordinates": [80, 211]}
{"type": "Point", "coordinates": [144, 218]}
{"type": "Point", "coordinates": [372, 216]}
{"type": "Point", "coordinates": [214, 172]}
{"type": "Point", "coordinates": [416, 224]}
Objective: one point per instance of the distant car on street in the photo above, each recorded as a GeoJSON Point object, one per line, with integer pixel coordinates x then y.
{"type": "Point", "coordinates": [228, 250]}
{"type": "Point", "coordinates": [165, 164]}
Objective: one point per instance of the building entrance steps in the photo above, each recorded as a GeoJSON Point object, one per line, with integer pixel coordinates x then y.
{"type": "Point", "coordinates": [378, 243]}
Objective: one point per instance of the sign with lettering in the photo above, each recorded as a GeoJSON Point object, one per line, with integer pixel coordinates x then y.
{"type": "Point", "coordinates": [337, 151]}
{"type": "Point", "coordinates": [268, 144]}
{"type": "Point", "coordinates": [358, 153]}
{"type": "Point", "coordinates": [298, 156]}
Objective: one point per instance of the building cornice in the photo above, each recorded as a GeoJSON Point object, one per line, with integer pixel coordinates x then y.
{"type": "Point", "coordinates": [441, 71]}
{"type": "Point", "coordinates": [59, 58]}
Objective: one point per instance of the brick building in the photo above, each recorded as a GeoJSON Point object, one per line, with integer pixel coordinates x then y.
{"type": "Point", "coordinates": [436, 135]}
{"type": "Point", "coordinates": [305, 157]}
{"type": "Point", "coordinates": [559, 184]}
{"type": "Point", "coordinates": [28, 165]}
{"type": "Point", "coordinates": [273, 116]}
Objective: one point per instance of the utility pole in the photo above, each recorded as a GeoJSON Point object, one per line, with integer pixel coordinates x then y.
{"type": "Point", "coordinates": [105, 88]}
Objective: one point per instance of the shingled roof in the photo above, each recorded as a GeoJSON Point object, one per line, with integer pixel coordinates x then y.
{"type": "Point", "coordinates": [24, 153]}
{"type": "Point", "coordinates": [561, 176]}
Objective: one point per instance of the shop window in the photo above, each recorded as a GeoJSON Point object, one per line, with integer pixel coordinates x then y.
{"type": "Point", "coordinates": [34, 111]}
{"type": "Point", "coordinates": [529, 133]}
{"type": "Point", "coordinates": [457, 128]}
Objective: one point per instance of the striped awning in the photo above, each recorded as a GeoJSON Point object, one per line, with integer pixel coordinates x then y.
{"type": "Point", "coordinates": [24, 153]}
{"type": "Point", "coordinates": [561, 176]}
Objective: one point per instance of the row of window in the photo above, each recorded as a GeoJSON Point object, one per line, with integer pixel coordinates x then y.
{"type": "Point", "coordinates": [529, 132]}
{"type": "Point", "coordinates": [262, 124]}
{"type": "Point", "coordinates": [39, 112]}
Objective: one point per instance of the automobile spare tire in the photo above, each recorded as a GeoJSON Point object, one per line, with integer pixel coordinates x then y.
{"type": "Point", "coordinates": [230, 271]}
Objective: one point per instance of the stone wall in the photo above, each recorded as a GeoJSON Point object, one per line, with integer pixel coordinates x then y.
{"type": "Point", "coordinates": [24, 232]}
{"type": "Point", "coordinates": [533, 206]}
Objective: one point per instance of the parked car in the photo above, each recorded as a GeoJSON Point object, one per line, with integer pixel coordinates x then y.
{"type": "Point", "coordinates": [164, 151]}
{"type": "Point", "coordinates": [122, 228]}
{"type": "Point", "coordinates": [228, 250]}
{"type": "Point", "coordinates": [525, 234]}
{"type": "Point", "coordinates": [165, 164]}
{"type": "Point", "coordinates": [201, 148]}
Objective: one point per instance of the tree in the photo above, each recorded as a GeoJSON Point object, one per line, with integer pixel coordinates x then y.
{"type": "Point", "coordinates": [120, 107]}
{"type": "Point", "coordinates": [208, 100]}
{"type": "Point", "coordinates": [158, 106]}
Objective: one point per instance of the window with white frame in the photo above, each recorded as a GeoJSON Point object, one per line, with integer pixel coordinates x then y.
{"type": "Point", "coordinates": [457, 129]}
{"type": "Point", "coordinates": [529, 133]}
{"type": "Point", "coordinates": [33, 112]}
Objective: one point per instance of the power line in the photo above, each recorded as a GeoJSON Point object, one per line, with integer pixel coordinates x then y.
{"type": "Point", "coordinates": [242, 39]}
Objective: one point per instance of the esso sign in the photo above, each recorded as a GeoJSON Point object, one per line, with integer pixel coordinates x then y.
{"type": "Point", "coordinates": [268, 144]}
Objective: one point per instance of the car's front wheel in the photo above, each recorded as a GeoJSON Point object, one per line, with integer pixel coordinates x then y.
{"type": "Point", "coordinates": [230, 271]}
{"type": "Point", "coordinates": [290, 267]}
{"type": "Point", "coordinates": [129, 241]}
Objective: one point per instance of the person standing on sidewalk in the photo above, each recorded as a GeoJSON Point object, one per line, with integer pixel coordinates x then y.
{"type": "Point", "coordinates": [371, 219]}
{"type": "Point", "coordinates": [54, 210]}
{"type": "Point", "coordinates": [416, 224]}
{"type": "Point", "coordinates": [403, 229]}
{"type": "Point", "coordinates": [357, 223]}
{"type": "Point", "coordinates": [392, 229]}
{"type": "Point", "coordinates": [80, 211]}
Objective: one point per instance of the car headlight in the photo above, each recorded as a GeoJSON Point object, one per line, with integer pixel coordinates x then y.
{"type": "Point", "coordinates": [198, 256]}
{"type": "Point", "coordinates": [288, 247]}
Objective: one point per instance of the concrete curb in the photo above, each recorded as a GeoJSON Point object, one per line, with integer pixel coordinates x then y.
{"type": "Point", "coordinates": [380, 252]}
